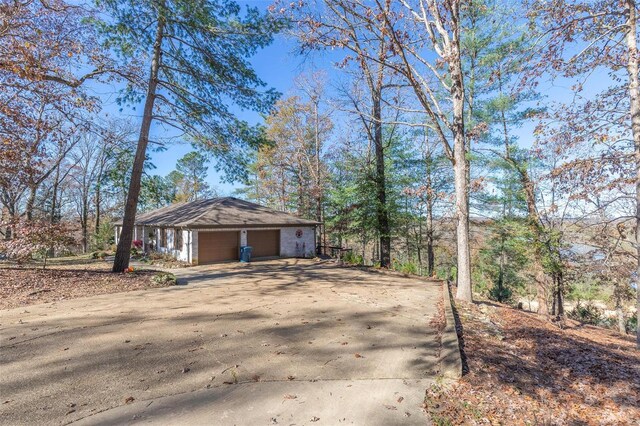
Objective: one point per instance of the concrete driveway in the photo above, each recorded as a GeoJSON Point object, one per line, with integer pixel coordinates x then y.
{"type": "Point", "coordinates": [275, 342]}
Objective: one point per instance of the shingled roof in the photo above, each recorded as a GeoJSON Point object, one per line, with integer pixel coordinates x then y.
{"type": "Point", "coordinates": [227, 212]}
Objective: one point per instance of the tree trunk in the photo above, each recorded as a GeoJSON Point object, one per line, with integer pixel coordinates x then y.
{"type": "Point", "coordinates": [501, 266]}
{"type": "Point", "coordinates": [84, 220]}
{"type": "Point", "coordinates": [407, 229]}
{"type": "Point", "coordinates": [430, 253]}
{"type": "Point", "coordinates": [419, 244]}
{"type": "Point", "coordinates": [54, 195]}
{"type": "Point", "coordinates": [541, 291]}
{"type": "Point", "coordinates": [98, 200]}
{"type": "Point", "coordinates": [364, 245]}
{"type": "Point", "coordinates": [559, 293]}
{"type": "Point", "coordinates": [430, 203]}
{"type": "Point", "coordinates": [31, 201]}
{"type": "Point", "coordinates": [461, 185]}
{"type": "Point", "coordinates": [98, 192]}
{"type": "Point", "coordinates": [622, 329]}
{"type": "Point", "coordinates": [382, 212]}
{"type": "Point", "coordinates": [634, 94]}
{"type": "Point", "coordinates": [318, 181]}
{"type": "Point", "coordinates": [121, 261]}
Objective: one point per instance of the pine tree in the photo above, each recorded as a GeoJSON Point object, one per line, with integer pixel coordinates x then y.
{"type": "Point", "coordinates": [188, 61]}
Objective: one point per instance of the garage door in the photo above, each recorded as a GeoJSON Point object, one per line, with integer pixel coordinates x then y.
{"type": "Point", "coordinates": [218, 246]}
{"type": "Point", "coordinates": [264, 243]}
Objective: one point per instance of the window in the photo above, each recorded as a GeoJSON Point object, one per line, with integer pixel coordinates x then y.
{"type": "Point", "coordinates": [177, 239]}
{"type": "Point", "coordinates": [163, 237]}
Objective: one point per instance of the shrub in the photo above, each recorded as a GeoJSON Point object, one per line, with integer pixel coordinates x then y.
{"type": "Point", "coordinates": [500, 294]}
{"type": "Point", "coordinates": [162, 259]}
{"type": "Point", "coordinates": [104, 238]}
{"type": "Point", "coordinates": [35, 238]}
{"type": "Point", "coordinates": [137, 244]}
{"type": "Point", "coordinates": [632, 324]}
{"type": "Point", "coordinates": [164, 278]}
{"type": "Point", "coordinates": [587, 313]}
{"type": "Point", "coordinates": [405, 267]}
{"type": "Point", "coordinates": [99, 254]}
{"type": "Point", "coordinates": [353, 259]}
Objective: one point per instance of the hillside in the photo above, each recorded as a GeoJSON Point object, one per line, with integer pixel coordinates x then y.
{"type": "Point", "coordinates": [525, 370]}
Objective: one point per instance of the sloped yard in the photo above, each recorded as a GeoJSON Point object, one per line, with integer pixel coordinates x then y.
{"type": "Point", "coordinates": [525, 370]}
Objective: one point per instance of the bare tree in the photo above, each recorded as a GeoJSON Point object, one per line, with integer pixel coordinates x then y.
{"type": "Point", "coordinates": [576, 38]}
{"type": "Point", "coordinates": [339, 24]}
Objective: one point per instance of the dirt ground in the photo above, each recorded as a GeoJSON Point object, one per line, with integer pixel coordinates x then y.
{"type": "Point", "coordinates": [279, 341]}
{"type": "Point", "coordinates": [66, 279]}
{"type": "Point", "coordinates": [526, 370]}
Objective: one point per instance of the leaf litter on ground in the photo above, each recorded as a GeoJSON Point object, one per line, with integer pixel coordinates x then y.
{"type": "Point", "coordinates": [525, 370]}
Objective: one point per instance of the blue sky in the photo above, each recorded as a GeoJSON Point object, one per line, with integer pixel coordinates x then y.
{"type": "Point", "coordinates": [278, 66]}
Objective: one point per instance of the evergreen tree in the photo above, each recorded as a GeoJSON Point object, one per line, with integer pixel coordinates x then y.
{"type": "Point", "coordinates": [188, 62]}
{"type": "Point", "coordinates": [193, 168]}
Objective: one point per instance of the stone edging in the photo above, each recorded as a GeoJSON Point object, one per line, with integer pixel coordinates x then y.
{"type": "Point", "coordinates": [450, 358]}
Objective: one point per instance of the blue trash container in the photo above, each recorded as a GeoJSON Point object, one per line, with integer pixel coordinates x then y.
{"type": "Point", "coordinates": [245, 254]}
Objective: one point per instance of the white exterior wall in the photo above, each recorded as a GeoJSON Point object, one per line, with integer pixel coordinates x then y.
{"type": "Point", "coordinates": [292, 246]}
{"type": "Point", "coordinates": [182, 253]}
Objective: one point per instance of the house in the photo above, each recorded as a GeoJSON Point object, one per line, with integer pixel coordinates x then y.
{"type": "Point", "coordinates": [213, 230]}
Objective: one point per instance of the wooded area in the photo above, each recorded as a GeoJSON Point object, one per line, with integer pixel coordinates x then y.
{"type": "Point", "coordinates": [433, 144]}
